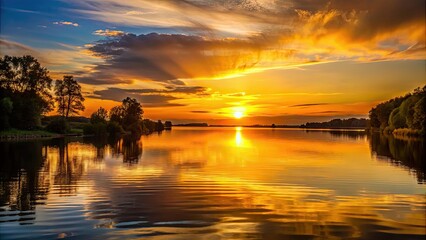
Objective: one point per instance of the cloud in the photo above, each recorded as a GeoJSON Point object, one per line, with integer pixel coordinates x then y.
{"type": "Point", "coordinates": [68, 59]}
{"type": "Point", "coordinates": [229, 38]}
{"type": "Point", "coordinates": [21, 10]}
{"type": "Point", "coordinates": [153, 100]}
{"type": "Point", "coordinates": [149, 97]}
{"type": "Point", "coordinates": [200, 111]}
{"type": "Point", "coordinates": [315, 30]}
{"type": "Point", "coordinates": [309, 104]}
{"type": "Point", "coordinates": [8, 47]}
{"type": "Point", "coordinates": [327, 112]}
{"type": "Point", "coordinates": [168, 58]}
{"type": "Point", "coordinates": [108, 33]}
{"type": "Point", "coordinates": [66, 23]}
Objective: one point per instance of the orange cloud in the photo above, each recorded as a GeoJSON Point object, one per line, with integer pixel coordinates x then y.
{"type": "Point", "coordinates": [108, 33]}
{"type": "Point", "coordinates": [66, 23]}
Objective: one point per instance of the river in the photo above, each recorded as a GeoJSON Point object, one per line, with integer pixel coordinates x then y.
{"type": "Point", "coordinates": [215, 183]}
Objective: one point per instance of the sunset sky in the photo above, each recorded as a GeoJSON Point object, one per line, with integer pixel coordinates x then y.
{"type": "Point", "coordinates": [226, 62]}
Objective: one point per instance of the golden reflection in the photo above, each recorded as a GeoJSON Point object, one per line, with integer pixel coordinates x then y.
{"type": "Point", "coordinates": [196, 176]}
{"type": "Point", "coordinates": [239, 141]}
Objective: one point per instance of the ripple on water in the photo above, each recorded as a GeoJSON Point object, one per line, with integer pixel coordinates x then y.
{"type": "Point", "coordinates": [264, 186]}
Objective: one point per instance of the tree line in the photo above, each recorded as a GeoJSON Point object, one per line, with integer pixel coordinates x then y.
{"type": "Point", "coordinates": [26, 95]}
{"type": "Point", "coordinates": [126, 117]}
{"type": "Point", "coordinates": [339, 123]}
{"type": "Point", "coordinates": [405, 115]}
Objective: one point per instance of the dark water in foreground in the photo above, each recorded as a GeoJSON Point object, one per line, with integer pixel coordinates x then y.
{"type": "Point", "coordinates": [215, 183]}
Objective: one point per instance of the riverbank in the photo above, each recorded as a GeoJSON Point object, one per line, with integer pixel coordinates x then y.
{"type": "Point", "coordinates": [15, 134]}
{"type": "Point", "coordinates": [18, 135]}
{"type": "Point", "coordinates": [23, 135]}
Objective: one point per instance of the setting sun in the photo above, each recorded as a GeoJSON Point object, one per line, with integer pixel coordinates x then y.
{"type": "Point", "coordinates": [238, 114]}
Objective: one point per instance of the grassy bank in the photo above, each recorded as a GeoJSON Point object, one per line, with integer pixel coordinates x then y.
{"type": "Point", "coordinates": [13, 134]}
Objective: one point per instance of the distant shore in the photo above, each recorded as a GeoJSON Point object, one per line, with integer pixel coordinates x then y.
{"type": "Point", "coordinates": [267, 126]}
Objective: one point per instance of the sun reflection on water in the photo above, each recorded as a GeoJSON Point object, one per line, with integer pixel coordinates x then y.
{"type": "Point", "coordinates": [239, 141]}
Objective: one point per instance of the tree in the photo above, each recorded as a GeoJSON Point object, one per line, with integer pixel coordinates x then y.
{"type": "Point", "coordinates": [27, 84]}
{"type": "Point", "coordinates": [406, 112]}
{"type": "Point", "coordinates": [159, 126]}
{"type": "Point", "coordinates": [168, 125]}
{"type": "Point", "coordinates": [128, 115]}
{"type": "Point", "coordinates": [132, 111]}
{"type": "Point", "coordinates": [100, 116]}
{"type": "Point", "coordinates": [68, 96]}
{"type": "Point", "coordinates": [6, 107]}
{"type": "Point", "coordinates": [116, 114]}
{"type": "Point", "coordinates": [25, 74]}
{"type": "Point", "coordinates": [419, 121]}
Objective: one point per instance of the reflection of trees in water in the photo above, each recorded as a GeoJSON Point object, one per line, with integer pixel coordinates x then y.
{"type": "Point", "coordinates": [409, 153]}
{"type": "Point", "coordinates": [21, 182]}
{"type": "Point", "coordinates": [69, 167]}
{"type": "Point", "coordinates": [28, 170]}
{"type": "Point", "coordinates": [129, 147]}
{"type": "Point", "coordinates": [343, 133]}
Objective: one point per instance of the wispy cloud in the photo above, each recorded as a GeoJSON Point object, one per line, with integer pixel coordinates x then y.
{"type": "Point", "coordinates": [108, 33]}
{"type": "Point", "coordinates": [309, 104]}
{"type": "Point", "coordinates": [21, 10]}
{"type": "Point", "coordinates": [200, 111]}
{"type": "Point", "coordinates": [66, 23]}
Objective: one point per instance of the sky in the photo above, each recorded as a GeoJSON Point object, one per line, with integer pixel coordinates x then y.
{"type": "Point", "coordinates": [226, 62]}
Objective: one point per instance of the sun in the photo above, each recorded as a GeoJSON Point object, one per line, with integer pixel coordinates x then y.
{"type": "Point", "coordinates": [238, 114]}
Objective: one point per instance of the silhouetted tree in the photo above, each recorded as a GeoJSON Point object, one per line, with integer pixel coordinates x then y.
{"type": "Point", "coordinates": [116, 114]}
{"type": "Point", "coordinates": [68, 96]}
{"type": "Point", "coordinates": [160, 126]}
{"type": "Point", "coordinates": [27, 84]}
{"type": "Point", "coordinates": [100, 116]}
{"type": "Point", "coordinates": [168, 125]}
{"type": "Point", "coordinates": [6, 107]}
{"type": "Point", "coordinates": [132, 111]}
{"type": "Point", "coordinates": [128, 115]}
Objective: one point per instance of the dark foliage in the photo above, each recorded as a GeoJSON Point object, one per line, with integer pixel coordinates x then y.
{"type": "Point", "coordinates": [114, 129]}
{"type": "Point", "coordinates": [407, 112]}
{"type": "Point", "coordinates": [100, 116]}
{"type": "Point", "coordinates": [68, 96]}
{"type": "Point", "coordinates": [27, 86]}
{"type": "Point", "coordinates": [339, 123]}
{"type": "Point", "coordinates": [167, 125]}
{"type": "Point", "coordinates": [97, 129]}
{"type": "Point", "coordinates": [58, 125]}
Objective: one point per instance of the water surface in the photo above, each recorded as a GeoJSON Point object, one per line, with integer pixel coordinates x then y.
{"type": "Point", "coordinates": [215, 183]}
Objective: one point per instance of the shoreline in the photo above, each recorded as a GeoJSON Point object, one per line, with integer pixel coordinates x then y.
{"type": "Point", "coordinates": [23, 137]}
{"type": "Point", "coordinates": [276, 127]}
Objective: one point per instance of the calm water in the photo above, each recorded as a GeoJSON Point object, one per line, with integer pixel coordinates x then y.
{"type": "Point", "coordinates": [215, 183]}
